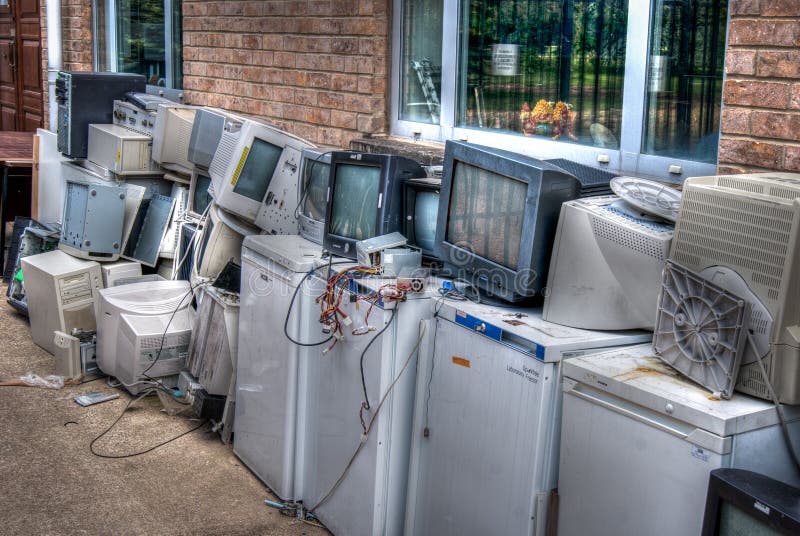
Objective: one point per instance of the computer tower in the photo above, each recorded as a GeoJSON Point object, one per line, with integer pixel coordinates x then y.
{"type": "Point", "coordinates": [88, 97]}
{"type": "Point", "coordinates": [119, 149]}
{"type": "Point", "coordinates": [62, 292]}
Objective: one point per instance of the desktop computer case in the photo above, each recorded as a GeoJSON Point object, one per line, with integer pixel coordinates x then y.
{"type": "Point", "coordinates": [63, 294]}
{"type": "Point", "coordinates": [88, 97]}
{"type": "Point", "coordinates": [119, 149]}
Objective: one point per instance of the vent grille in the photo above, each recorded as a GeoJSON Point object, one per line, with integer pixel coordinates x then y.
{"type": "Point", "coordinates": [224, 154]}
{"type": "Point", "coordinates": [751, 381]}
{"type": "Point", "coordinates": [784, 193]}
{"type": "Point", "coordinates": [170, 341]}
{"type": "Point", "coordinates": [630, 239]}
{"type": "Point", "coordinates": [739, 184]}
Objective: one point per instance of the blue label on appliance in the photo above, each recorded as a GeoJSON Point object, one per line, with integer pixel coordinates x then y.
{"type": "Point", "coordinates": [493, 332]}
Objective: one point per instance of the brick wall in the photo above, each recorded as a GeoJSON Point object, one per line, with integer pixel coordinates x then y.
{"type": "Point", "coordinates": [317, 68]}
{"type": "Point", "coordinates": [761, 96]}
{"type": "Point", "coordinates": [76, 35]}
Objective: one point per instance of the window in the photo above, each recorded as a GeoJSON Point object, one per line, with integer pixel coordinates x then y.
{"type": "Point", "coordinates": [580, 79]}
{"type": "Point", "coordinates": [140, 36]}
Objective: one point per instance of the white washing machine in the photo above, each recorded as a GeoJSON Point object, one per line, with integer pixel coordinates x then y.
{"type": "Point", "coordinates": [266, 377]}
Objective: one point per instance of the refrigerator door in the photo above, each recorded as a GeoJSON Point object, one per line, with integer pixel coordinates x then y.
{"type": "Point", "coordinates": [266, 376]}
{"type": "Point", "coordinates": [482, 459]}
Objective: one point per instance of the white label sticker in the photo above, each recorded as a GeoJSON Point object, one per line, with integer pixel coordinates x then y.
{"type": "Point", "coordinates": [699, 453]}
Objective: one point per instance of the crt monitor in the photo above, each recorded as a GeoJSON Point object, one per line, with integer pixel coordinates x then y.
{"type": "Point", "coordinates": [315, 167]}
{"type": "Point", "coordinates": [364, 198]}
{"type": "Point", "coordinates": [209, 124]}
{"type": "Point", "coordinates": [171, 135]}
{"type": "Point", "coordinates": [498, 212]}
{"type": "Point", "coordinates": [199, 196]}
{"type": "Point", "coordinates": [421, 208]}
{"type": "Point", "coordinates": [253, 160]}
{"type": "Point", "coordinates": [743, 502]}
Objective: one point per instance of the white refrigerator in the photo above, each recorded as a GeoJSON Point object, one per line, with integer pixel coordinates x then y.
{"type": "Point", "coordinates": [484, 449]}
{"type": "Point", "coordinates": [267, 390]}
{"type": "Point", "coordinates": [638, 442]}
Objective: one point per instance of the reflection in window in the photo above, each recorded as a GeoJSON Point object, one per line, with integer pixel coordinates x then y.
{"type": "Point", "coordinates": [421, 61]}
{"type": "Point", "coordinates": [684, 88]}
{"type": "Point", "coordinates": [545, 68]}
{"type": "Point", "coordinates": [140, 39]}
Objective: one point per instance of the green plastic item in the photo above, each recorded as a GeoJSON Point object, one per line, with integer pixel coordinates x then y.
{"type": "Point", "coordinates": [18, 276]}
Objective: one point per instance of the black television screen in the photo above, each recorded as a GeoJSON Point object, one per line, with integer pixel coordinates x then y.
{"type": "Point", "coordinates": [486, 214]}
{"type": "Point", "coordinates": [201, 198]}
{"type": "Point", "coordinates": [498, 213]}
{"type": "Point", "coordinates": [364, 198]}
{"type": "Point", "coordinates": [421, 210]}
{"type": "Point", "coordinates": [260, 163]}
{"type": "Point", "coordinates": [744, 503]}
{"type": "Point", "coordinates": [355, 201]}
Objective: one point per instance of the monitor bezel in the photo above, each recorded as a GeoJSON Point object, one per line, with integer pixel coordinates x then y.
{"type": "Point", "coordinates": [167, 117]}
{"type": "Point", "coordinates": [770, 501]}
{"type": "Point", "coordinates": [539, 225]}
{"type": "Point", "coordinates": [223, 186]}
{"type": "Point", "coordinates": [409, 211]}
{"type": "Point", "coordinates": [190, 208]}
{"type": "Point", "coordinates": [388, 215]}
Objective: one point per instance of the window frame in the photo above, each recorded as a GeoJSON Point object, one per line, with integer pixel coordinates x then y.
{"type": "Point", "coordinates": [628, 159]}
{"type": "Point", "coordinates": [109, 51]}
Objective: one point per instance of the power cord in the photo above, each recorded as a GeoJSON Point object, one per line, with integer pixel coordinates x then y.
{"type": "Point", "coordinates": [150, 449]}
{"type": "Point", "coordinates": [364, 354]}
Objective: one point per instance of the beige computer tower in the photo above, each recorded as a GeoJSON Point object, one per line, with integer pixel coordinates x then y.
{"type": "Point", "coordinates": [119, 149]}
{"type": "Point", "coordinates": [62, 294]}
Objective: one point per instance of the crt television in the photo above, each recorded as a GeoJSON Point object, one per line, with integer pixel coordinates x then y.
{"type": "Point", "coordinates": [743, 502]}
{"type": "Point", "coordinates": [255, 161]}
{"type": "Point", "coordinates": [315, 166]}
{"type": "Point", "coordinates": [498, 213]}
{"type": "Point", "coordinates": [421, 208]}
{"type": "Point", "coordinates": [364, 198]}
{"type": "Point", "coordinates": [171, 135]}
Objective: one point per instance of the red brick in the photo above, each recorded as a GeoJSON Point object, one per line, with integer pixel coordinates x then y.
{"type": "Point", "coordinates": [763, 32]}
{"type": "Point", "coordinates": [306, 97]}
{"type": "Point", "coordinates": [780, 8]}
{"type": "Point", "coordinates": [776, 125]}
{"type": "Point", "coordinates": [319, 80]}
{"type": "Point", "coordinates": [750, 153]}
{"type": "Point", "coordinates": [371, 124]}
{"type": "Point", "coordinates": [756, 93]}
{"type": "Point", "coordinates": [743, 7]}
{"type": "Point", "coordinates": [331, 136]}
{"type": "Point", "coordinates": [739, 61]}
{"type": "Point", "coordinates": [730, 170]}
{"type": "Point", "coordinates": [735, 120]}
{"type": "Point", "coordinates": [794, 99]}
{"type": "Point", "coordinates": [283, 59]}
{"type": "Point", "coordinates": [779, 64]}
{"type": "Point", "coordinates": [344, 82]}
{"type": "Point", "coordinates": [342, 119]}
{"type": "Point", "coordinates": [792, 158]}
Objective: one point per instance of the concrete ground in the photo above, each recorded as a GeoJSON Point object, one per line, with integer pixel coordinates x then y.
{"type": "Point", "coordinates": [51, 484]}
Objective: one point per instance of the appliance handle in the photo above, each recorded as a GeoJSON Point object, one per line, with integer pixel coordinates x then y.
{"type": "Point", "coordinates": [635, 412]}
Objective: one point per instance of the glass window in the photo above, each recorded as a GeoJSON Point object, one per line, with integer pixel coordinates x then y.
{"type": "Point", "coordinates": [421, 64]}
{"type": "Point", "coordinates": [684, 88]}
{"type": "Point", "coordinates": [545, 68]}
{"type": "Point", "coordinates": [140, 36]}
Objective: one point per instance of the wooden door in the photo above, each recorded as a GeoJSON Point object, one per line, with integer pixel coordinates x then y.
{"type": "Point", "coordinates": [21, 88]}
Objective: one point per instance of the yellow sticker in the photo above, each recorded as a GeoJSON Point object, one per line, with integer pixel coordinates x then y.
{"type": "Point", "coordinates": [461, 361]}
{"type": "Point", "coordinates": [239, 166]}
{"type": "Point", "coordinates": [118, 156]}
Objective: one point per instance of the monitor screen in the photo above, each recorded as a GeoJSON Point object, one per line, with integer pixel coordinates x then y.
{"type": "Point", "coordinates": [315, 182]}
{"type": "Point", "coordinates": [256, 174]}
{"type": "Point", "coordinates": [201, 197]}
{"type": "Point", "coordinates": [426, 210]}
{"type": "Point", "coordinates": [486, 214]}
{"type": "Point", "coordinates": [355, 201]}
{"type": "Point", "coordinates": [734, 521]}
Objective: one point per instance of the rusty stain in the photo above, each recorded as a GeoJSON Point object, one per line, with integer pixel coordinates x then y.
{"type": "Point", "coordinates": [713, 397]}
{"type": "Point", "coordinates": [515, 322]}
{"type": "Point", "coordinates": [640, 372]}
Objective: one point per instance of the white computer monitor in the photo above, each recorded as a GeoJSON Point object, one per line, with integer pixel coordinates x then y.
{"type": "Point", "coordinates": [209, 124]}
{"type": "Point", "coordinates": [220, 241]}
{"type": "Point", "coordinates": [256, 164]}
{"type": "Point", "coordinates": [171, 135]}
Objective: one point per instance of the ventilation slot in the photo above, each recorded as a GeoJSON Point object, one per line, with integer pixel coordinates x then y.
{"type": "Point", "coordinates": [784, 193]}
{"type": "Point", "coordinates": [758, 324]}
{"type": "Point", "coordinates": [224, 154]}
{"type": "Point", "coordinates": [751, 381]}
{"type": "Point", "coordinates": [739, 184]}
{"type": "Point", "coordinates": [629, 239]}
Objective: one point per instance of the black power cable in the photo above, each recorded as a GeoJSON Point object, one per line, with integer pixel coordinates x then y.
{"type": "Point", "coordinates": [364, 353]}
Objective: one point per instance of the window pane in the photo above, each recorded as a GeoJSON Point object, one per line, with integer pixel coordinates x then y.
{"type": "Point", "coordinates": [684, 88]}
{"type": "Point", "coordinates": [177, 45]}
{"type": "Point", "coordinates": [140, 39]}
{"type": "Point", "coordinates": [545, 68]}
{"type": "Point", "coordinates": [421, 60]}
